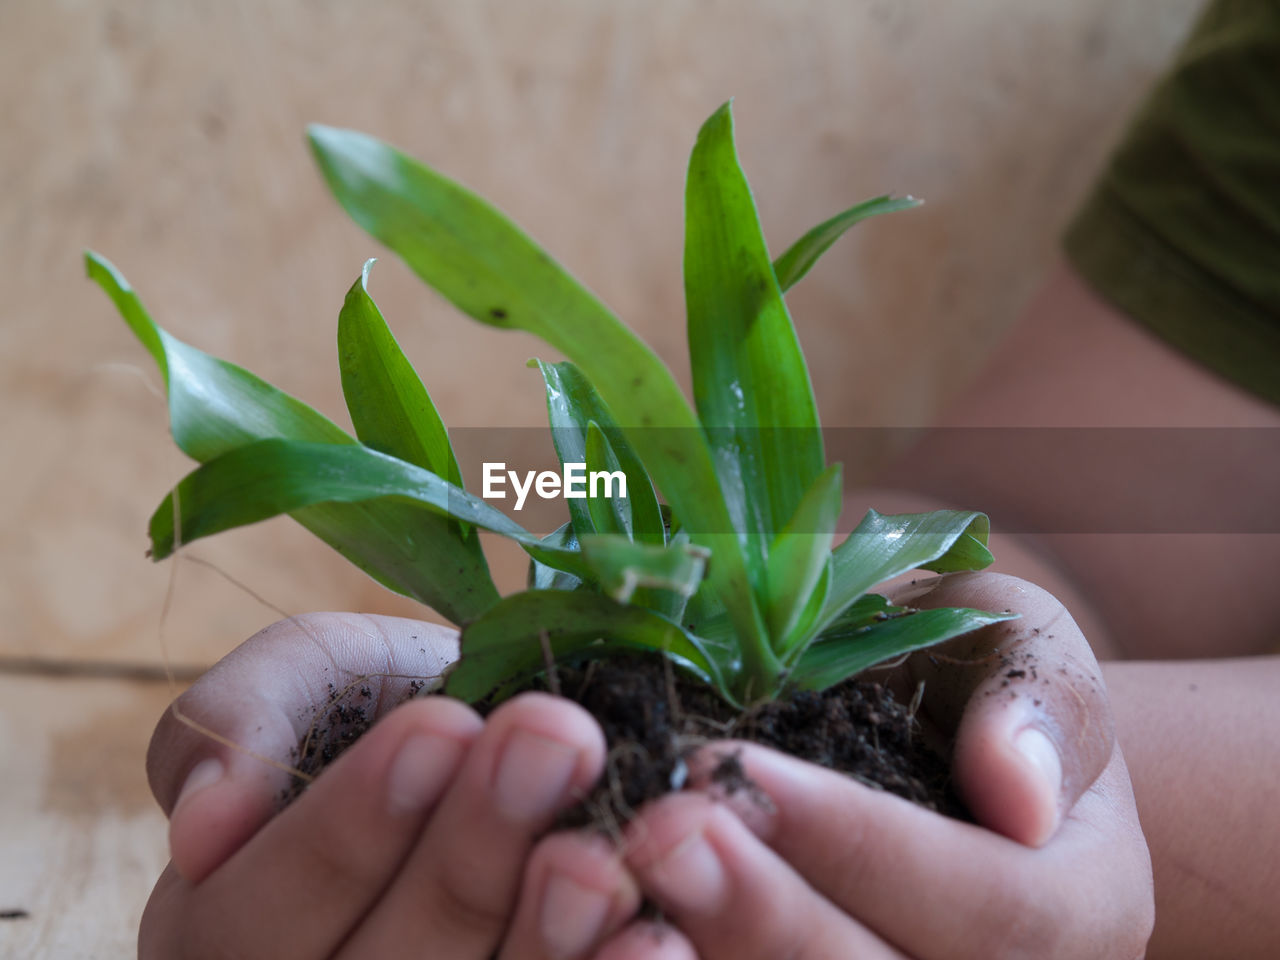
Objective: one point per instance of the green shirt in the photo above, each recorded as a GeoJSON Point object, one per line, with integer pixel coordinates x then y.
{"type": "Point", "coordinates": [1182, 230]}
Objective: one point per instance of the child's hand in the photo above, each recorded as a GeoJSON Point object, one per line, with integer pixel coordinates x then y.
{"type": "Point", "coordinates": [419, 840]}
{"type": "Point", "coordinates": [1058, 867]}
{"type": "Point", "coordinates": [842, 869]}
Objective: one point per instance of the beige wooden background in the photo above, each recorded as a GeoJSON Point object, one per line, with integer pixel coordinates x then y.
{"type": "Point", "coordinates": [167, 134]}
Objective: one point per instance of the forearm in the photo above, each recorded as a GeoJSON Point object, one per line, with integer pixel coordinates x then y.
{"type": "Point", "coordinates": [1074, 361]}
{"type": "Point", "coordinates": [1200, 740]}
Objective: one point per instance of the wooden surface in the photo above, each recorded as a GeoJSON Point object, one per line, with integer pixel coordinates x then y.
{"type": "Point", "coordinates": [81, 840]}
{"type": "Point", "coordinates": [167, 134]}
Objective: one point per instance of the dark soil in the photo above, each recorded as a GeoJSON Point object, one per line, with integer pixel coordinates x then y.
{"type": "Point", "coordinates": [652, 717]}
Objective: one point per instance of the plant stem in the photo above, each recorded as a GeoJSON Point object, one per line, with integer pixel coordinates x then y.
{"type": "Point", "coordinates": [761, 670]}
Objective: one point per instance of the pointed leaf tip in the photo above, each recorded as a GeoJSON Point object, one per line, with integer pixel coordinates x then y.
{"type": "Point", "coordinates": [800, 257]}
{"type": "Point", "coordinates": [750, 381]}
{"type": "Point", "coordinates": [723, 117]}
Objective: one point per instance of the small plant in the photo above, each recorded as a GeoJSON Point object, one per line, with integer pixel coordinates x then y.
{"type": "Point", "coordinates": [719, 555]}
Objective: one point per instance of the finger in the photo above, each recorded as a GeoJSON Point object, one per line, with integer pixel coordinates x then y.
{"type": "Point", "coordinates": [159, 933]}
{"type": "Point", "coordinates": [880, 858]}
{"type": "Point", "coordinates": [647, 940]}
{"type": "Point", "coordinates": [575, 894]}
{"type": "Point", "coordinates": [306, 878]}
{"type": "Point", "coordinates": [456, 892]}
{"type": "Point", "coordinates": [1026, 698]}
{"type": "Point", "coordinates": [260, 701]}
{"type": "Point", "coordinates": [731, 895]}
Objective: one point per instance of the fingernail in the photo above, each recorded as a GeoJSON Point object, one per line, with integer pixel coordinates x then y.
{"type": "Point", "coordinates": [533, 775]}
{"type": "Point", "coordinates": [691, 876]}
{"type": "Point", "coordinates": [572, 917]}
{"type": "Point", "coordinates": [1039, 752]}
{"type": "Point", "coordinates": [204, 774]}
{"type": "Point", "coordinates": [419, 772]}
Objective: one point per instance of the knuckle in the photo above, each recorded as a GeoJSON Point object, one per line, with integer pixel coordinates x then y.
{"type": "Point", "coordinates": [766, 930]}
{"type": "Point", "coordinates": [1015, 921]}
{"type": "Point", "coordinates": [462, 902]}
{"type": "Point", "coordinates": [202, 933]}
{"type": "Point", "coordinates": [1132, 924]}
{"type": "Point", "coordinates": [848, 861]}
{"type": "Point", "coordinates": [584, 853]}
{"type": "Point", "coordinates": [337, 856]}
{"type": "Point", "coordinates": [771, 913]}
{"type": "Point", "coordinates": [799, 930]}
{"type": "Point", "coordinates": [1132, 943]}
{"type": "Point", "coordinates": [663, 825]}
{"type": "Point", "coordinates": [791, 942]}
{"type": "Point", "coordinates": [1024, 918]}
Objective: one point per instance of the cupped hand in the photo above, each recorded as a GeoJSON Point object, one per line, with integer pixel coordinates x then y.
{"type": "Point", "coordinates": [419, 840]}
{"type": "Point", "coordinates": [1055, 867]}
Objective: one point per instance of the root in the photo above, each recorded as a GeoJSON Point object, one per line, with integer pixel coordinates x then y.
{"type": "Point", "coordinates": [133, 370]}
{"type": "Point", "coordinates": [916, 700]}
{"type": "Point", "coordinates": [615, 781]}
{"type": "Point", "coordinates": [995, 654]}
{"type": "Point", "coordinates": [201, 729]}
{"type": "Point", "coordinates": [891, 664]}
{"type": "Point", "coordinates": [673, 698]}
{"type": "Point", "coordinates": [588, 676]}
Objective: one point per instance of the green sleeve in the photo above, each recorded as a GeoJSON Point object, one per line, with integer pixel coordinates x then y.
{"type": "Point", "coordinates": [1182, 231]}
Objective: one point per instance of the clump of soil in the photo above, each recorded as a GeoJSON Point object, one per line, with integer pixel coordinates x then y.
{"type": "Point", "coordinates": [653, 717]}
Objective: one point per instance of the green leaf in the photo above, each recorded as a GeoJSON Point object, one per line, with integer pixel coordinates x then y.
{"type": "Point", "coordinates": [610, 513]}
{"type": "Point", "coordinates": [543, 577]}
{"type": "Point", "coordinates": [506, 643]}
{"type": "Point", "coordinates": [573, 403]}
{"type": "Point", "coordinates": [271, 477]}
{"type": "Point", "coordinates": [799, 556]}
{"type": "Point", "coordinates": [804, 253]}
{"type": "Point", "coordinates": [672, 603]}
{"type": "Point", "coordinates": [885, 545]}
{"type": "Point", "coordinates": [621, 565]}
{"type": "Point", "coordinates": [492, 271]}
{"type": "Point", "coordinates": [390, 408]}
{"type": "Point", "coordinates": [879, 632]}
{"type": "Point", "coordinates": [809, 618]}
{"type": "Point", "coordinates": [750, 381]}
{"type": "Point", "coordinates": [967, 553]}
{"type": "Point", "coordinates": [216, 407]}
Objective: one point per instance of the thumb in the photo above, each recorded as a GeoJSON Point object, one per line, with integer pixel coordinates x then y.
{"type": "Point", "coordinates": [1034, 724]}
{"type": "Point", "coordinates": [220, 757]}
